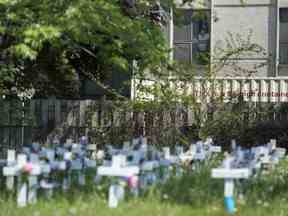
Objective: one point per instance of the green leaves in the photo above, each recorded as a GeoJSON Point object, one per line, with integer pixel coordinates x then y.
{"type": "Point", "coordinates": [2, 29]}
{"type": "Point", "coordinates": [33, 39]}
{"type": "Point", "coordinates": [37, 35]}
{"type": "Point", "coordinates": [8, 2]}
{"type": "Point", "coordinates": [120, 62]}
{"type": "Point", "coordinates": [24, 51]}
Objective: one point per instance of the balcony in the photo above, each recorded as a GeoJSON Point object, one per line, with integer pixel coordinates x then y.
{"type": "Point", "coordinates": [252, 89]}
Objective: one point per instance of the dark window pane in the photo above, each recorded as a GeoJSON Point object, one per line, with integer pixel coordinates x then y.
{"type": "Point", "coordinates": [188, 24]}
{"type": "Point", "coordinates": [283, 15]}
{"type": "Point", "coordinates": [183, 26]}
{"type": "Point", "coordinates": [283, 36]}
{"type": "Point", "coordinates": [283, 70]}
{"type": "Point", "coordinates": [203, 42]}
{"type": "Point", "coordinates": [200, 22]}
{"type": "Point", "coordinates": [182, 33]}
{"type": "Point", "coordinates": [283, 53]}
{"type": "Point", "coordinates": [38, 112]}
{"type": "Point", "coordinates": [200, 53]}
{"type": "Point", "coordinates": [183, 52]}
{"type": "Point", "coordinates": [192, 36]}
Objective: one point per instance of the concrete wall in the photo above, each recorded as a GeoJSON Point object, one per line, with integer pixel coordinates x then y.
{"type": "Point", "coordinates": [259, 18]}
{"type": "Point", "coordinates": [283, 3]}
{"type": "Point", "coordinates": [246, 2]}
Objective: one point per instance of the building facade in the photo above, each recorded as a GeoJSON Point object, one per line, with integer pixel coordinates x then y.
{"type": "Point", "coordinates": [263, 22]}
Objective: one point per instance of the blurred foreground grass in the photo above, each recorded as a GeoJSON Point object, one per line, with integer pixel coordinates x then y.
{"type": "Point", "coordinates": [90, 206]}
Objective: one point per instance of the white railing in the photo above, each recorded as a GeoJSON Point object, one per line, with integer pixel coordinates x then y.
{"type": "Point", "coordinates": [253, 89]}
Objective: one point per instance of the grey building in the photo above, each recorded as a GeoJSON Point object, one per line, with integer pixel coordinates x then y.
{"type": "Point", "coordinates": [266, 21]}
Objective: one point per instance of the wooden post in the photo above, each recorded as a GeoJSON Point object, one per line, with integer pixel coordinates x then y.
{"type": "Point", "coordinates": [22, 189]}
{"type": "Point", "coordinates": [33, 179]}
{"type": "Point", "coordinates": [11, 160]}
{"type": "Point", "coordinates": [118, 168]}
{"type": "Point", "coordinates": [113, 200]}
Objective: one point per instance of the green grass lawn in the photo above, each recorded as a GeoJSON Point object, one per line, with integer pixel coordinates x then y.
{"type": "Point", "coordinates": [194, 194]}
{"type": "Point", "coordinates": [92, 205]}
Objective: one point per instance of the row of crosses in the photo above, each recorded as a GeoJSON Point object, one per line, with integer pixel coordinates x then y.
{"type": "Point", "coordinates": [135, 164]}
{"type": "Point", "coordinates": [243, 164]}
{"type": "Point", "coordinates": [143, 165]}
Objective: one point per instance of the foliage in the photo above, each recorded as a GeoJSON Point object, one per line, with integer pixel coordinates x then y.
{"type": "Point", "coordinates": [47, 45]}
{"type": "Point", "coordinates": [221, 116]}
{"type": "Point", "coordinates": [13, 113]}
{"type": "Point", "coordinates": [250, 124]}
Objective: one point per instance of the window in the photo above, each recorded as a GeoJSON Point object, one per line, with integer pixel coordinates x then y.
{"type": "Point", "coordinates": [192, 36]}
{"type": "Point", "coordinates": [51, 115]}
{"type": "Point", "coordinates": [283, 15]}
{"type": "Point", "coordinates": [283, 36]}
{"type": "Point", "coordinates": [38, 112]}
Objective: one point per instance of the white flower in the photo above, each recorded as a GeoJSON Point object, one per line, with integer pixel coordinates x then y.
{"type": "Point", "coordinates": [165, 196]}
{"type": "Point", "coordinates": [265, 204]}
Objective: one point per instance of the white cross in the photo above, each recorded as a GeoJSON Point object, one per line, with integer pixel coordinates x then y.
{"type": "Point", "coordinates": [9, 170]}
{"type": "Point", "coordinates": [126, 145]}
{"type": "Point", "coordinates": [233, 145]}
{"type": "Point", "coordinates": [33, 178]}
{"type": "Point", "coordinates": [18, 169]}
{"type": "Point", "coordinates": [92, 151]}
{"type": "Point", "coordinates": [134, 157]}
{"type": "Point", "coordinates": [83, 140]}
{"type": "Point", "coordinates": [200, 151]}
{"type": "Point", "coordinates": [167, 162]}
{"type": "Point", "coordinates": [77, 166]}
{"type": "Point", "coordinates": [148, 175]}
{"type": "Point", "coordinates": [189, 155]}
{"type": "Point", "coordinates": [229, 174]}
{"type": "Point", "coordinates": [22, 189]}
{"type": "Point", "coordinates": [118, 168]}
